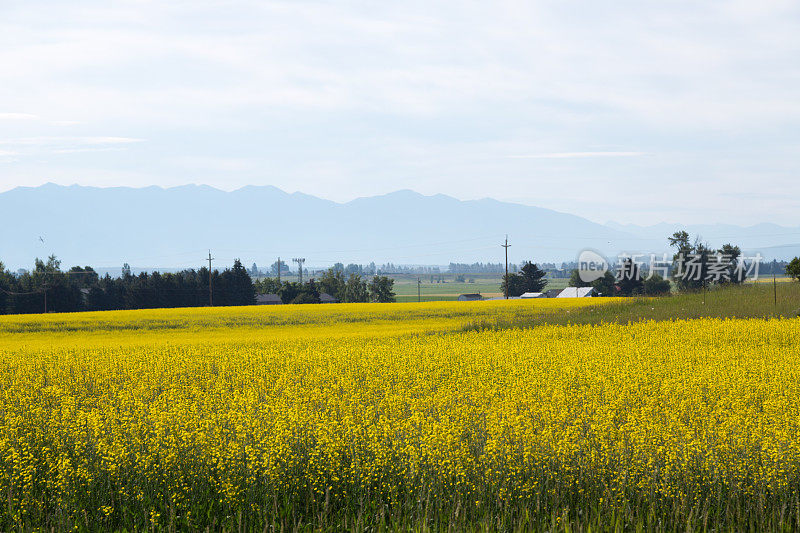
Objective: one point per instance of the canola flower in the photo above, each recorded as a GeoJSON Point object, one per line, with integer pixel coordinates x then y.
{"type": "Point", "coordinates": [146, 421]}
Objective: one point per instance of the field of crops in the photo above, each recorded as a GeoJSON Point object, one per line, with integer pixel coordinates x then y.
{"type": "Point", "coordinates": [367, 416]}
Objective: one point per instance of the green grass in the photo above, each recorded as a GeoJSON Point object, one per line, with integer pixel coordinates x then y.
{"type": "Point", "coordinates": [752, 300]}
{"type": "Point", "coordinates": [488, 285]}
{"type": "Point", "coordinates": [445, 287]}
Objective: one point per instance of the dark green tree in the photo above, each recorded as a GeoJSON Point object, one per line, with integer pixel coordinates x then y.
{"type": "Point", "coordinates": [355, 289]}
{"type": "Point", "coordinates": [333, 282]}
{"type": "Point", "coordinates": [629, 280]}
{"type": "Point", "coordinates": [267, 286]}
{"type": "Point", "coordinates": [289, 291]}
{"type": "Point", "coordinates": [83, 277]}
{"type": "Point", "coordinates": [381, 289]}
{"type": "Point", "coordinates": [239, 285]}
{"type": "Point", "coordinates": [793, 269]}
{"type": "Point", "coordinates": [683, 251]}
{"type": "Point", "coordinates": [513, 285]}
{"type": "Point", "coordinates": [730, 254]}
{"type": "Point", "coordinates": [690, 263]}
{"type": "Point", "coordinates": [61, 295]}
{"type": "Point", "coordinates": [655, 285]}
{"type": "Point", "coordinates": [606, 286]}
{"type": "Point", "coordinates": [6, 284]}
{"type": "Point", "coordinates": [575, 279]}
{"type": "Point", "coordinates": [533, 277]}
{"type": "Point", "coordinates": [309, 293]}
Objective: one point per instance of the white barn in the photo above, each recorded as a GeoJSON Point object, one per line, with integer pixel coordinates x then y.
{"type": "Point", "coordinates": [577, 292]}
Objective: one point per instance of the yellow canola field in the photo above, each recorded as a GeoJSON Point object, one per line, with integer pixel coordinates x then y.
{"type": "Point", "coordinates": [153, 423]}
{"type": "Point", "coordinates": [270, 322]}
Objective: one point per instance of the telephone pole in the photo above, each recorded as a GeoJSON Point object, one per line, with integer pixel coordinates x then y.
{"type": "Point", "coordinates": [210, 290]}
{"type": "Point", "coordinates": [279, 271]}
{"type": "Point", "coordinates": [44, 291]}
{"type": "Point", "coordinates": [419, 290]}
{"type": "Point", "coordinates": [299, 261]}
{"type": "Point", "coordinates": [774, 289]}
{"type": "Point", "coordinates": [505, 280]}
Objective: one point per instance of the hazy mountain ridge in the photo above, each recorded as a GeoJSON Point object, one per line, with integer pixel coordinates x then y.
{"type": "Point", "coordinates": [175, 227]}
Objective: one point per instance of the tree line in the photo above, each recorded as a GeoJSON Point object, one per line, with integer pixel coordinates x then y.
{"type": "Point", "coordinates": [694, 265]}
{"type": "Point", "coordinates": [339, 282]}
{"type": "Point", "coordinates": [49, 289]}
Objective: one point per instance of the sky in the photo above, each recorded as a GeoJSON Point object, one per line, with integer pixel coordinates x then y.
{"type": "Point", "coordinates": [633, 111]}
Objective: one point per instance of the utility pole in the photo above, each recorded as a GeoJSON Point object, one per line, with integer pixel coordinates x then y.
{"type": "Point", "coordinates": [279, 271]}
{"type": "Point", "coordinates": [210, 290]}
{"type": "Point", "coordinates": [299, 261]}
{"type": "Point", "coordinates": [419, 290]}
{"type": "Point", "coordinates": [44, 291]}
{"type": "Point", "coordinates": [774, 289]}
{"type": "Point", "coordinates": [505, 280]}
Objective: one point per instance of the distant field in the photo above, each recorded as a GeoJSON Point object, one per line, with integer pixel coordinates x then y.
{"type": "Point", "coordinates": [488, 285]}
{"type": "Point", "coordinates": [751, 300]}
{"type": "Point", "coordinates": [768, 279]}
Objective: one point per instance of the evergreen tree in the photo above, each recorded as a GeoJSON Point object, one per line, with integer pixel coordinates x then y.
{"type": "Point", "coordinates": [606, 285]}
{"type": "Point", "coordinates": [533, 277]}
{"type": "Point", "coordinates": [630, 280]}
{"type": "Point", "coordinates": [239, 285]}
{"type": "Point", "coordinates": [512, 285]}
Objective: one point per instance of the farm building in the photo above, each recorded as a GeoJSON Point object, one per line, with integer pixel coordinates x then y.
{"type": "Point", "coordinates": [533, 295]}
{"type": "Point", "coordinates": [325, 298]}
{"type": "Point", "coordinates": [577, 292]}
{"type": "Point", "coordinates": [552, 293]}
{"type": "Point", "coordinates": [268, 299]}
{"type": "Point", "coordinates": [474, 297]}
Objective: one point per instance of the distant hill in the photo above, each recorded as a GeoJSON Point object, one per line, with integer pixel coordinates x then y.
{"type": "Point", "coordinates": [175, 227]}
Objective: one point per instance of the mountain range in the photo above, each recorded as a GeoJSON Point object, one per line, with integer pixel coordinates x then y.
{"type": "Point", "coordinates": [176, 227]}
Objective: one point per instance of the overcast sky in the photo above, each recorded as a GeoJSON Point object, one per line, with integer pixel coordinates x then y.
{"type": "Point", "coordinates": [632, 111]}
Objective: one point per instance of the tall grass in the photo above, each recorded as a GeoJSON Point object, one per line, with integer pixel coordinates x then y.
{"type": "Point", "coordinates": [751, 300]}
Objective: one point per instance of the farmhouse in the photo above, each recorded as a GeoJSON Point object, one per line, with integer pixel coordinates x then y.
{"type": "Point", "coordinates": [325, 298]}
{"type": "Point", "coordinates": [268, 299]}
